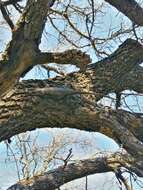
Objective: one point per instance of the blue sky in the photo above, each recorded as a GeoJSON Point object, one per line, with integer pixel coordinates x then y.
{"type": "Point", "coordinates": [96, 142]}
{"type": "Point", "coordinates": [99, 142]}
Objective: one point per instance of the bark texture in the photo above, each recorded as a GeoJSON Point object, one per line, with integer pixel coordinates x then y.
{"type": "Point", "coordinates": [71, 100]}
{"type": "Point", "coordinates": [23, 48]}
{"type": "Point", "coordinates": [130, 8]}
{"type": "Point", "coordinates": [55, 178]}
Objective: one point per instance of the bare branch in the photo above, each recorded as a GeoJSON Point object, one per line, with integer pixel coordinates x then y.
{"type": "Point", "coordinates": [57, 177]}
{"type": "Point", "coordinates": [49, 68]}
{"type": "Point", "coordinates": [6, 17]}
{"type": "Point", "coordinates": [23, 47]}
{"type": "Point", "coordinates": [130, 8]}
{"type": "Point", "coordinates": [73, 57]}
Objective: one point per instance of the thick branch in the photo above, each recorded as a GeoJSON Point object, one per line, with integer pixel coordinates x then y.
{"type": "Point", "coordinates": [72, 99]}
{"type": "Point", "coordinates": [130, 8]}
{"type": "Point", "coordinates": [73, 57]}
{"type": "Point", "coordinates": [53, 104]}
{"type": "Point", "coordinates": [55, 178]}
{"type": "Point", "coordinates": [22, 49]}
{"type": "Point", "coordinates": [76, 95]}
{"type": "Point", "coordinates": [118, 72]}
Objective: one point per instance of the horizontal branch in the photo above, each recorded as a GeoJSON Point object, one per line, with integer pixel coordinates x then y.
{"type": "Point", "coordinates": [107, 75]}
{"type": "Point", "coordinates": [73, 57]}
{"type": "Point", "coordinates": [120, 71]}
{"type": "Point", "coordinates": [70, 101]}
{"type": "Point", "coordinates": [130, 8]}
{"type": "Point", "coordinates": [57, 177]}
{"type": "Point", "coordinates": [22, 52]}
{"type": "Point", "coordinates": [51, 103]}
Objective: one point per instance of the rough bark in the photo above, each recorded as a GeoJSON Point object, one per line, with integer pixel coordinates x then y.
{"type": "Point", "coordinates": [55, 178]}
{"type": "Point", "coordinates": [23, 48]}
{"type": "Point", "coordinates": [42, 104]}
{"type": "Point", "coordinates": [71, 101]}
{"type": "Point", "coordinates": [130, 8]}
{"type": "Point", "coordinates": [73, 57]}
{"type": "Point", "coordinates": [22, 53]}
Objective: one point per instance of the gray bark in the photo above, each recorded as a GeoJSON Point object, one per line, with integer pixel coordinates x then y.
{"type": "Point", "coordinates": [55, 178]}
{"type": "Point", "coordinates": [71, 100]}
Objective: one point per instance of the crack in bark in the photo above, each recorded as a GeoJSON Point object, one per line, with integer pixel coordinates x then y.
{"type": "Point", "coordinates": [70, 101]}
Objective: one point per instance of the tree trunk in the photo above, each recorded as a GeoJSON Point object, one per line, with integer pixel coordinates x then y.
{"type": "Point", "coordinates": [70, 100]}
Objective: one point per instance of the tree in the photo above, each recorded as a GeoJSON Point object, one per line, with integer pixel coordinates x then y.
{"type": "Point", "coordinates": [71, 100]}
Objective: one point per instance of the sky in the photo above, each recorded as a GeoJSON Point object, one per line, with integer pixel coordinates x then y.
{"type": "Point", "coordinates": [90, 143]}
{"type": "Point", "coordinates": [8, 174]}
